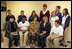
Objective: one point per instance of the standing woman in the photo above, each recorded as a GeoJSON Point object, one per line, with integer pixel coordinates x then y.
{"type": "Point", "coordinates": [65, 21]}
{"type": "Point", "coordinates": [44, 12]}
{"type": "Point", "coordinates": [34, 15]}
{"type": "Point", "coordinates": [55, 17]}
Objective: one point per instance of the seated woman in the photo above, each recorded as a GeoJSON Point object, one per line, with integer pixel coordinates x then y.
{"type": "Point", "coordinates": [12, 31]}
{"type": "Point", "coordinates": [55, 17]}
{"type": "Point", "coordinates": [34, 30]}
{"type": "Point", "coordinates": [34, 15]}
{"type": "Point", "coordinates": [45, 27]}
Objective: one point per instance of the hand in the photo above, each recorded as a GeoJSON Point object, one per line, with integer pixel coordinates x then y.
{"type": "Point", "coordinates": [12, 34]}
{"type": "Point", "coordinates": [44, 32]}
{"type": "Point", "coordinates": [23, 30]}
{"type": "Point", "coordinates": [41, 34]}
{"type": "Point", "coordinates": [53, 38]}
{"type": "Point", "coordinates": [48, 37]}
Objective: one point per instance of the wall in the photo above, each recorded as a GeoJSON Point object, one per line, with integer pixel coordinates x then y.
{"type": "Point", "coordinates": [28, 6]}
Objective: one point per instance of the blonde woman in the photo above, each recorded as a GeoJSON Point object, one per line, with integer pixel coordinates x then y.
{"type": "Point", "coordinates": [45, 27]}
{"type": "Point", "coordinates": [55, 17]}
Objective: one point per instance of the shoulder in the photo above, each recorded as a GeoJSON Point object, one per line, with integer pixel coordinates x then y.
{"type": "Point", "coordinates": [26, 21]}
{"type": "Point", "coordinates": [60, 27]}
{"type": "Point", "coordinates": [20, 22]}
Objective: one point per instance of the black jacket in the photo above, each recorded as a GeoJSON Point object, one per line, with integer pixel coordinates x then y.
{"type": "Point", "coordinates": [46, 28]}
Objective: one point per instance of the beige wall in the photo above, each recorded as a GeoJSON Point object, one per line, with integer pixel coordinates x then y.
{"type": "Point", "coordinates": [28, 6]}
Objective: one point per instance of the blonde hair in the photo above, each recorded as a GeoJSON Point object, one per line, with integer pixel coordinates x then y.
{"type": "Point", "coordinates": [45, 18]}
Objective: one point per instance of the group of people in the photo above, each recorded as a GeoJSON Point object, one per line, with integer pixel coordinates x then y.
{"type": "Point", "coordinates": [43, 31]}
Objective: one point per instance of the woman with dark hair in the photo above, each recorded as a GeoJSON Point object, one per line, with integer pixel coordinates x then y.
{"type": "Point", "coordinates": [12, 31]}
{"type": "Point", "coordinates": [34, 15]}
{"type": "Point", "coordinates": [65, 20]}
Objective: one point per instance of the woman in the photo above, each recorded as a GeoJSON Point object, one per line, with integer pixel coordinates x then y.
{"type": "Point", "coordinates": [34, 25]}
{"type": "Point", "coordinates": [45, 27]}
{"type": "Point", "coordinates": [34, 15]}
{"type": "Point", "coordinates": [12, 31]}
{"type": "Point", "coordinates": [65, 21]}
{"type": "Point", "coordinates": [55, 17]}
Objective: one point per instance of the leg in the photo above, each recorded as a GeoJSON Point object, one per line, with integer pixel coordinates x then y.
{"type": "Point", "coordinates": [25, 37]}
{"type": "Point", "coordinates": [56, 42]}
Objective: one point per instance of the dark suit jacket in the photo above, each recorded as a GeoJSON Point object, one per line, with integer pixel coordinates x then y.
{"type": "Point", "coordinates": [8, 28]}
{"type": "Point", "coordinates": [46, 28]}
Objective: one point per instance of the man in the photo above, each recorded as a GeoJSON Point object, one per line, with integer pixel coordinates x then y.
{"type": "Point", "coordinates": [23, 27]}
{"type": "Point", "coordinates": [12, 31]}
{"type": "Point", "coordinates": [59, 13]}
{"type": "Point", "coordinates": [56, 34]}
{"type": "Point", "coordinates": [9, 14]}
{"type": "Point", "coordinates": [20, 16]}
{"type": "Point", "coordinates": [44, 12]}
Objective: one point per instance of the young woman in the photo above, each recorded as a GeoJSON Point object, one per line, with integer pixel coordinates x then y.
{"type": "Point", "coordinates": [55, 17]}
{"type": "Point", "coordinates": [34, 25]}
{"type": "Point", "coordinates": [34, 15]}
{"type": "Point", "coordinates": [65, 20]}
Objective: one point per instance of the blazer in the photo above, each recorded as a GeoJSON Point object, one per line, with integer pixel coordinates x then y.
{"type": "Point", "coordinates": [34, 27]}
{"type": "Point", "coordinates": [67, 22]}
{"type": "Point", "coordinates": [46, 28]}
{"type": "Point", "coordinates": [8, 28]}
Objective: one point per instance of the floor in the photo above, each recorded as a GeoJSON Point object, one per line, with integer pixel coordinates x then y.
{"type": "Point", "coordinates": [5, 43]}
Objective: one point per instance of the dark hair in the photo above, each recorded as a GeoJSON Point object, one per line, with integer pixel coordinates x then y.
{"type": "Point", "coordinates": [12, 17]}
{"type": "Point", "coordinates": [8, 10]}
{"type": "Point", "coordinates": [58, 21]}
{"type": "Point", "coordinates": [66, 11]}
{"type": "Point", "coordinates": [35, 14]}
{"type": "Point", "coordinates": [44, 5]}
{"type": "Point", "coordinates": [58, 7]}
{"type": "Point", "coordinates": [22, 11]}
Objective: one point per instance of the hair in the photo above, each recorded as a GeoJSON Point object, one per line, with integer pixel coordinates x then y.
{"type": "Point", "coordinates": [23, 17]}
{"type": "Point", "coordinates": [34, 17]}
{"type": "Point", "coordinates": [22, 11]}
{"type": "Point", "coordinates": [44, 5]}
{"type": "Point", "coordinates": [12, 17]}
{"type": "Point", "coordinates": [8, 10]}
{"type": "Point", "coordinates": [66, 11]}
{"type": "Point", "coordinates": [58, 7]}
{"type": "Point", "coordinates": [58, 21]}
{"type": "Point", "coordinates": [45, 18]}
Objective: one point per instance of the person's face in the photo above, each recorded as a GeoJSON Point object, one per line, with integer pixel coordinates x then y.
{"type": "Point", "coordinates": [63, 11]}
{"type": "Point", "coordinates": [57, 9]}
{"type": "Point", "coordinates": [56, 24]}
{"type": "Point", "coordinates": [23, 20]}
{"type": "Point", "coordinates": [46, 21]}
{"type": "Point", "coordinates": [11, 19]}
{"type": "Point", "coordinates": [35, 19]}
{"type": "Point", "coordinates": [44, 8]}
{"type": "Point", "coordinates": [34, 13]}
{"type": "Point", "coordinates": [9, 12]}
{"type": "Point", "coordinates": [22, 13]}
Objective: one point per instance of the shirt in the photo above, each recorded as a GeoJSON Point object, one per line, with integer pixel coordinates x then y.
{"type": "Point", "coordinates": [57, 30]}
{"type": "Point", "coordinates": [24, 26]}
{"type": "Point", "coordinates": [53, 20]}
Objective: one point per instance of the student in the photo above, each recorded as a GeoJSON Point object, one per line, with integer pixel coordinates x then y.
{"type": "Point", "coordinates": [44, 12]}
{"type": "Point", "coordinates": [20, 16]}
{"type": "Point", "coordinates": [23, 27]}
{"type": "Point", "coordinates": [56, 34]}
{"type": "Point", "coordinates": [45, 27]}
{"type": "Point", "coordinates": [55, 17]}
{"type": "Point", "coordinates": [34, 30]}
{"type": "Point", "coordinates": [12, 31]}
{"type": "Point", "coordinates": [9, 14]}
{"type": "Point", "coordinates": [59, 13]}
{"type": "Point", "coordinates": [65, 20]}
{"type": "Point", "coordinates": [34, 15]}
